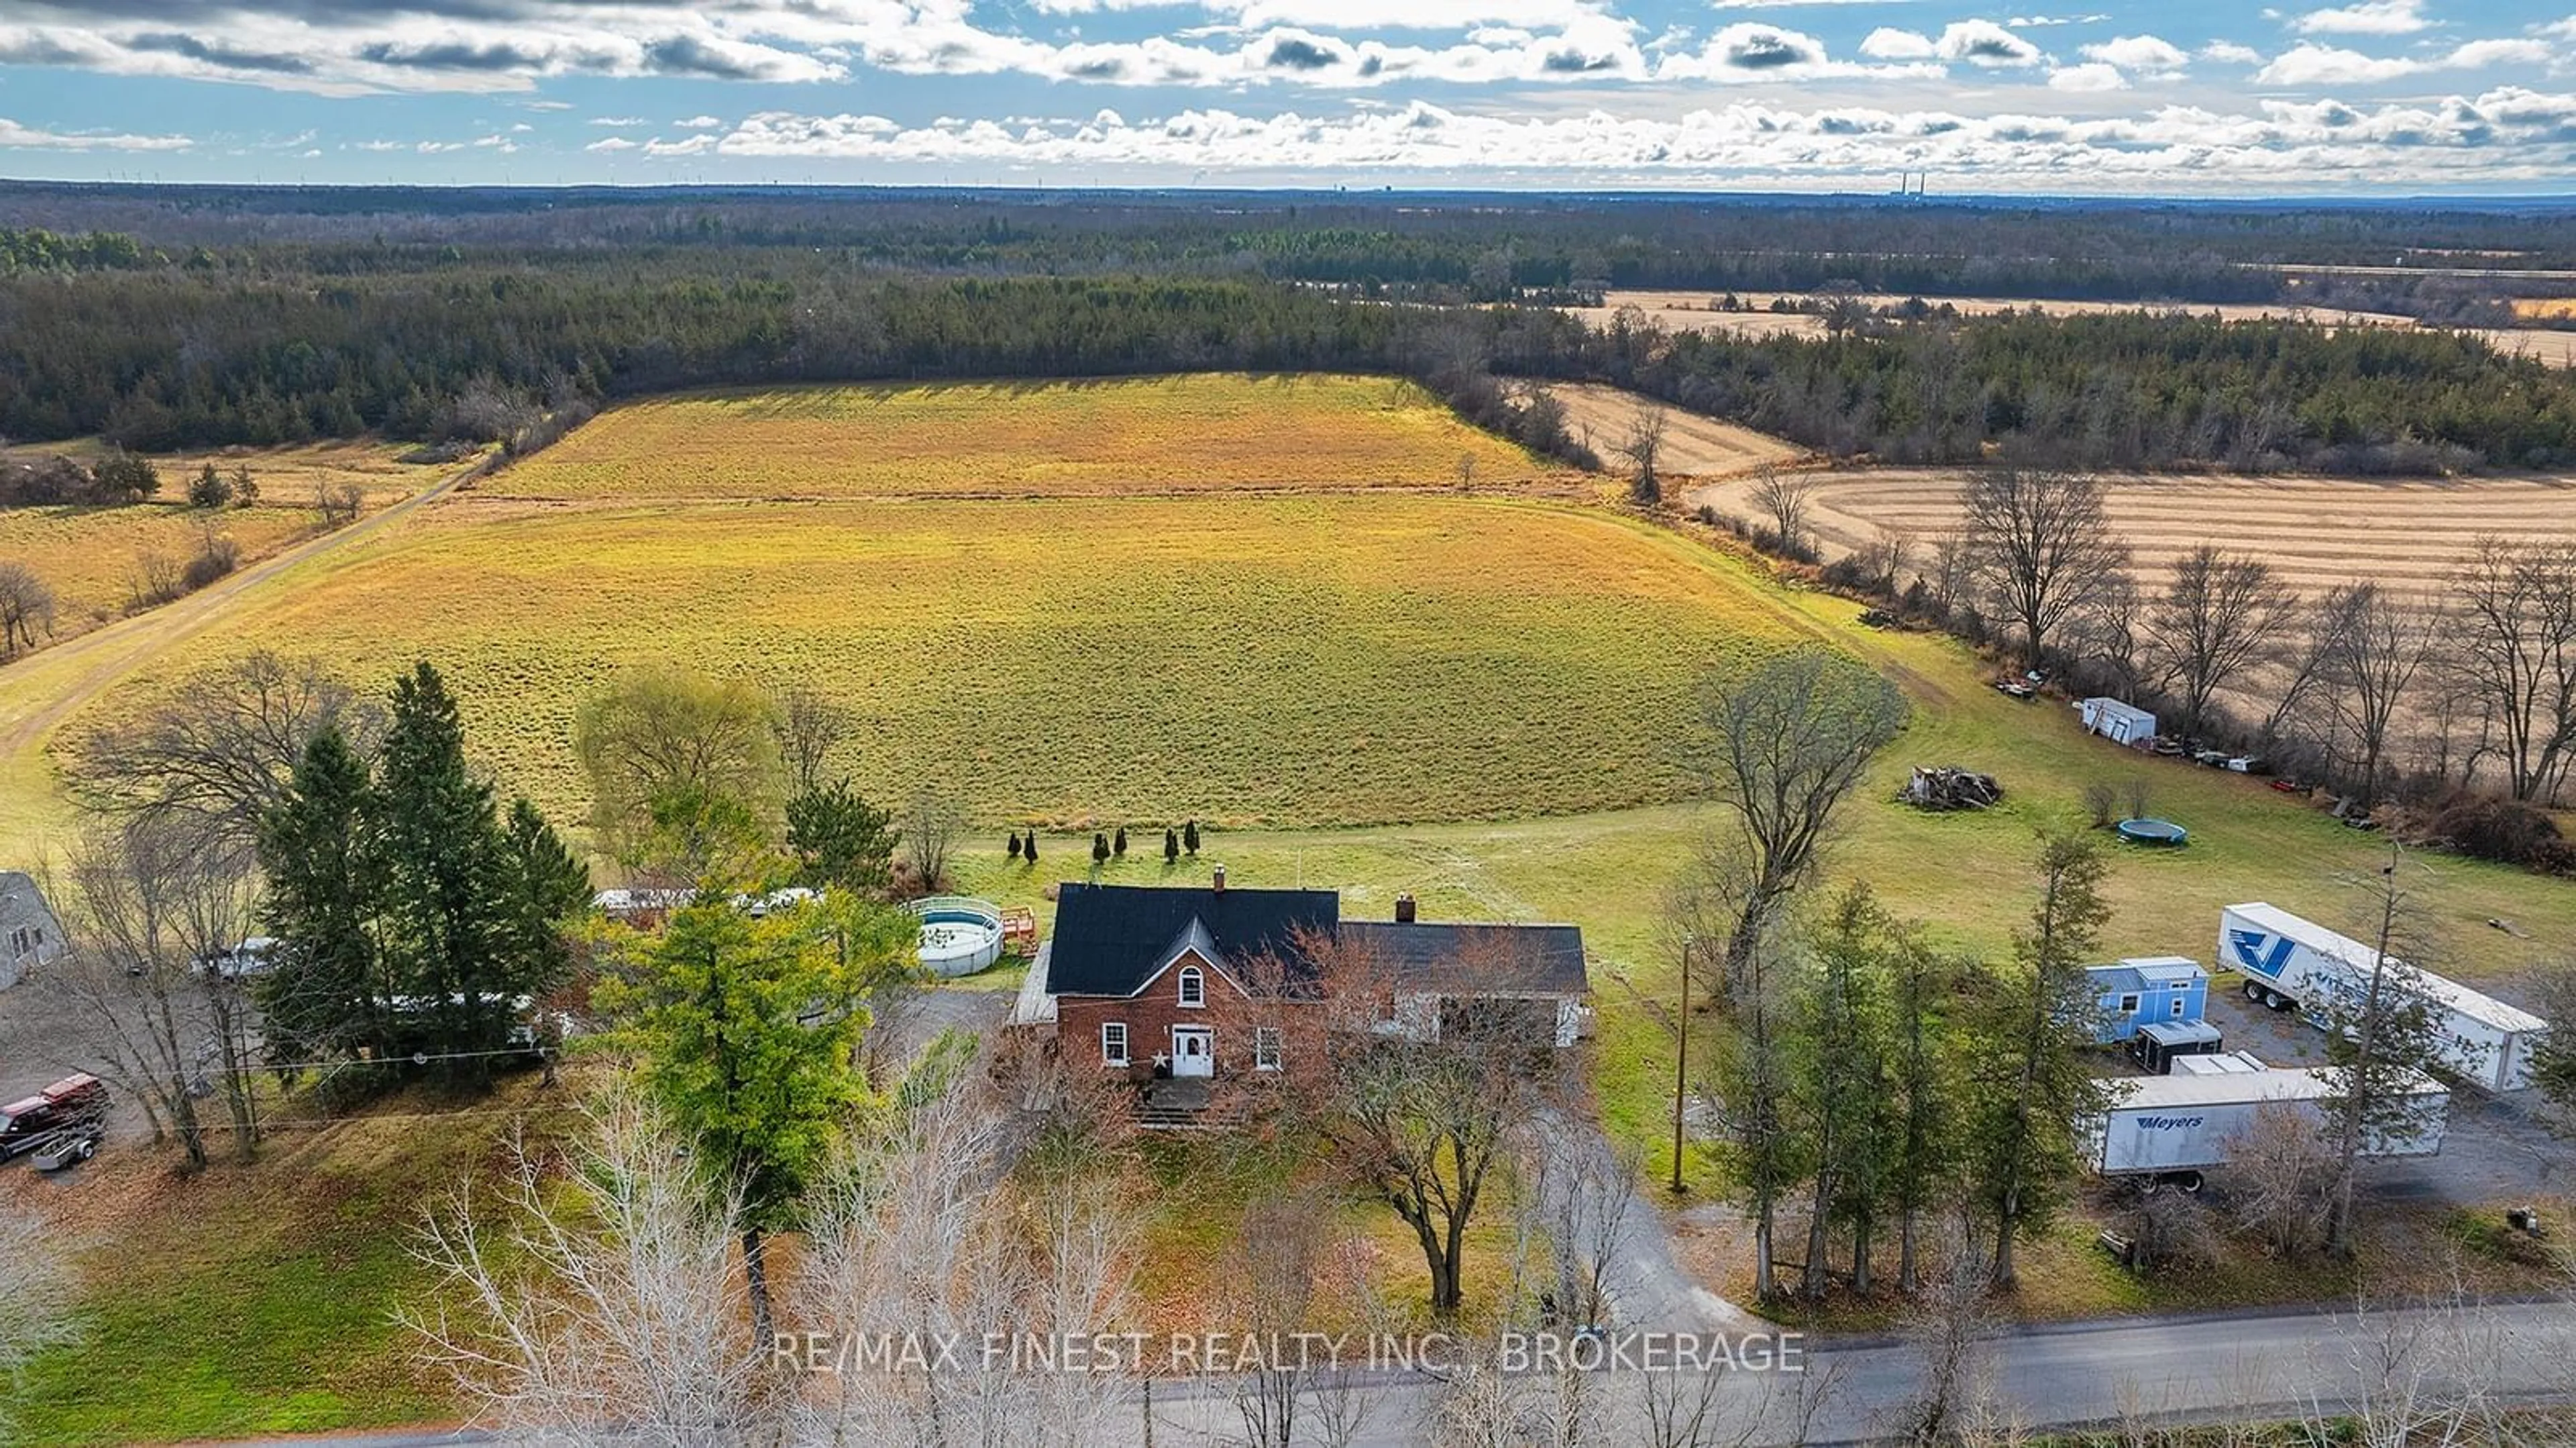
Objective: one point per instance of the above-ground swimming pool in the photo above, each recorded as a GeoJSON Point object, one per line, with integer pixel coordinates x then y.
{"type": "Point", "coordinates": [959, 936]}
{"type": "Point", "coordinates": [2153, 832]}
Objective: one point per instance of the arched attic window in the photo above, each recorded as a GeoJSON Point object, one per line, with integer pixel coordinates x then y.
{"type": "Point", "coordinates": [1193, 986]}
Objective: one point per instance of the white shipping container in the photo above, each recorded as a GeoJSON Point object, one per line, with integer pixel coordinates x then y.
{"type": "Point", "coordinates": [2193, 1122]}
{"type": "Point", "coordinates": [2289, 961]}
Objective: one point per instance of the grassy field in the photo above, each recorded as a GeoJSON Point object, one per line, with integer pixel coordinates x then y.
{"type": "Point", "coordinates": [1311, 661]}
{"type": "Point", "coordinates": [89, 556]}
{"type": "Point", "coordinates": [1015, 439]}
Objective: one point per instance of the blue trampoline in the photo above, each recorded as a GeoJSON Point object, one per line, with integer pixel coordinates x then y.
{"type": "Point", "coordinates": [2153, 832]}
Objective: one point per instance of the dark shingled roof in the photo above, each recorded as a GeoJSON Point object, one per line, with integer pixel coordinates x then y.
{"type": "Point", "coordinates": [1461, 958]}
{"type": "Point", "coordinates": [1110, 939]}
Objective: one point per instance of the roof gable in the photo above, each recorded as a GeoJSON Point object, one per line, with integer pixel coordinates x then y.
{"type": "Point", "coordinates": [1111, 940]}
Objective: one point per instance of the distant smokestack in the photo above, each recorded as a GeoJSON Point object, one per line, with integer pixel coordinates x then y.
{"type": "Point", "coordinates": [1220, 879]}
{"type": "Point", "coordinates": [1404, 908]}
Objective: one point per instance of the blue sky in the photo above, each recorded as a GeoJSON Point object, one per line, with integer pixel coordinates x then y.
{"type": "Point", "coordinates": [2187, 97]}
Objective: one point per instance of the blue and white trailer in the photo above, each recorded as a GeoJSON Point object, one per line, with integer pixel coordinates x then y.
{"type": "Point", "coordinates": [2183, 1125]}
{"type": "Point", "coordinates": [2290, 962]}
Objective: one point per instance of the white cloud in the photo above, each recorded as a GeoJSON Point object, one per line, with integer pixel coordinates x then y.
{"type": "Point", "coordinates": [1417, 15]}
{"type": "Point", "coordinates": [1984, 43]}
{"type": "Point", "coordinates": [698, 123]}
{"type": "Point", "coordinates": [1889, 43]}
{"type": "Point", "coordinates": [2309, 64]}
{"type": "Point", "coordinates": [611, 143]}
{"type": "Point", "coordinates": [16, 137]}
{"type": "Point", "coordinates": [619, 121]}
{"type": "Point", "coordinates": [2516, 133]}
{"type": "Point", "coordinates": [2042, 22]}
{"type": "Point", "coordinates": [2371, 17]}
{"type": "Point", "coordinates": [2144, 54]}
{"type": "Point", "coordinates": [2093, 75]}
{"type": "Point", "coordinates": [2228, 52]}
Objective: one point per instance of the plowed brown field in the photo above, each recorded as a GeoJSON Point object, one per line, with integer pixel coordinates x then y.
{"type": "Point", "coordinates": [1700, 446]}
{"type": "Point", "coordinates": [2316, 531]}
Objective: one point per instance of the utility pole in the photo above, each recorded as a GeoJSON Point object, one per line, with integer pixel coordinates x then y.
{"type": "Point", "coordinates": [1681, 1064]}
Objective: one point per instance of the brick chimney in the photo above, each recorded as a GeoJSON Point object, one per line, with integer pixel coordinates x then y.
{"type": "Point", "coordinates": [1404, 908]}
{"type": "Point", "coordinates": [1220, 880]}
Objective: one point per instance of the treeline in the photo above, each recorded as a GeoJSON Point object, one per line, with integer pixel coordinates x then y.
{"type": "Point", "coordinates": [36, 249]}
{"type": "Point", "coordinates": [287, 344]}
{"type": "Point", "coordinates": [159, 361]}
{"type": "Point", "coordinates": [2122, 250]}
{"type": "Point", "coordinates": [2093, 391]}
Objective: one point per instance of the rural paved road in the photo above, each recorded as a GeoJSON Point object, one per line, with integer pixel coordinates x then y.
{"type": "Point", "coordinates": [2194, 1367]}
{"type": "Point", "coordinates": [107, 655]}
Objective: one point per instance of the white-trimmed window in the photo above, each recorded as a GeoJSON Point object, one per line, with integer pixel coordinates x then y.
{"type": "Point", "coordinates": [1113, 1043]}
{"type": "Point", "coordinates": [1193, 986]}
{"type": "Point", "coordinates": [1266, 1044]}
{"type": "Point", "coordinates": [2128, 1005]}
{"type": "Point", "coordinates": [2174, 1007]}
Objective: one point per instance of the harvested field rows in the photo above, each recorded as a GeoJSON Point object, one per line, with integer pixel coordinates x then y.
{"type": "Point", "coordinates": [2317, 532]}
{"type": "Point", "coordinates": [1694, 312]}
{"type": "Point", "coordinates": [1198, 432]}
{"type": "Point", "coordinates": [1309, 660]}
{"type": "Point", "coordinates": [1695, 444]}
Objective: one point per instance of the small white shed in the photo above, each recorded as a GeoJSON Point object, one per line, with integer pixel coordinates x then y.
{"type": "Point", "coordinates": [2118, 722]}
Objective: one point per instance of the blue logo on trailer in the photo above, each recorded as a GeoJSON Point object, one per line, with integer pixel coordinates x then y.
{"type": "Point", "coordinates": [2251, 954]}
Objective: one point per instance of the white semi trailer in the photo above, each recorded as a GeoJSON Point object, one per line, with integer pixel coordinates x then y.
{"type": "Point", "coordinates": [2180, 1126]}
{"type": "Point", "coordinates": [2290, 962]}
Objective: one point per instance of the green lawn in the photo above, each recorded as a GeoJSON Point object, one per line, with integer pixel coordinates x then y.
{"type": "Point", "coordinates": [260, 1300]}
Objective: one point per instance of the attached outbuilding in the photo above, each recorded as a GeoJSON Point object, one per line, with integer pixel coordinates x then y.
{"type": "Point", "coordinates": [2119, 722]}
{"type": "Point", "coordinates": [30, 936]}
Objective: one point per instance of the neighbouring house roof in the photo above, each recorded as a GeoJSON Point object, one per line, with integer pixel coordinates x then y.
{"type": "Point", "coordinates": [1110, 940]}
{"type": "Point", "coordinates": [1459, 958]}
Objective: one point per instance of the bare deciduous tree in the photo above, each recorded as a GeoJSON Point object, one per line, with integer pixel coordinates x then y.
{"type": "Point", "coordinates": [153, 915]}
{"type": "Point", "coordinates": [1643, 447]}
{"type": "Point", "coordinates": [1785, 497]}
{"type": "Point", "coordinates": [2371, 645]}
{"type": "Point", "coordinates": [2220, 615]}
{"type": "Point", "coordinates": [219, 749]}
{"type": "Point", "coordinates": [2040, 543]}
{"type": "Point", "coordinates": [1780, 746]}
{"type": "Point", "coordinates": [810, 729]}
{"type": "Point", "coordinates": [1948, 1330]}
{"type": "Point", "coordinates": [2515, 651]}
{"type": "Point", "coordinates": [26, 606]}
{"type": "Point", "coordinates": [2280, 1183]}
{"type": "Point", "coordinates": [930, 1237]}
{"type": "Point", "coordinates": [931, 820]}
{"type": "Point", "coordinates": [586, 1305]}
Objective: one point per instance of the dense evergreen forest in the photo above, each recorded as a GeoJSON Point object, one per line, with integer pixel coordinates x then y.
{"type": "Point", "coordinates": [188, 317]}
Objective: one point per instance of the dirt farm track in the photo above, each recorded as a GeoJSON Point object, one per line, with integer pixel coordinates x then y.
{"type": "Point", "coordinates": [2317, 532]}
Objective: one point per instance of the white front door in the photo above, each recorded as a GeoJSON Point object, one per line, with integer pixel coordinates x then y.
{"type": "Point", "coordinates": [1193, 1051]}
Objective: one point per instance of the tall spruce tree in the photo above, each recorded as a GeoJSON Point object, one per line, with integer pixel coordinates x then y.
{"type": "Point", "coordinates": [446, 878]}
{"type": "Point", "coordinates": [2035, 1082]}
{"type": "Point", "coordinates": [548, 885]}
{"type": "Point", "coordinates": [322, 995]}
